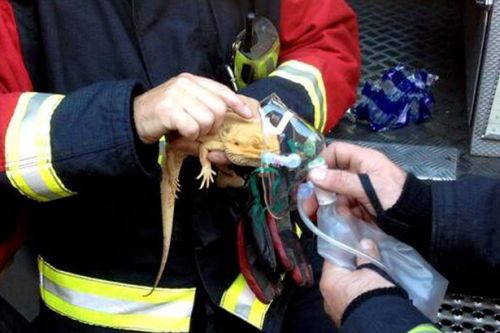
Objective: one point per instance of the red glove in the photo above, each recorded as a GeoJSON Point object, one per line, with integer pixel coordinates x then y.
{"type": "Point", "coordinates": [268, 248]}
{"type": "Point", "coordinates": [265, 285]}
{"type": "Point", "coordinates": [289, 251]}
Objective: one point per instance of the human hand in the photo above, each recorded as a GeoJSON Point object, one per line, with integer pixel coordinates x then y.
{"type": "Point", "coordinates": [340, 286]}
{"type": "Point", "coordinates": [191, 105]}
{"type": "Point", "coordinates": [346, 161]}
{"type": "Point", "coordinates": [191, 147]}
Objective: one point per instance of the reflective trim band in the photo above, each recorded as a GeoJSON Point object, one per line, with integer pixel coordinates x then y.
{"type": "Point", "coordinates": [116, 305]}
{"type": "Point", "coordinates": [298, 230]}
{"type": "Point", "coordinates": [241, 302]}
{"type": "Point", "coordinates": [425, 328]}
{"type": "Point", "coordinates": [310, 78]}
{"type": "Point", "coordinates": [162, 150]}
{"type": "Point", "coordinates": [28, 152]}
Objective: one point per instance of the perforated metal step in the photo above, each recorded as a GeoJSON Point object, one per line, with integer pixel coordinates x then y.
{"type": "Point", "coordinates": [468, 314]}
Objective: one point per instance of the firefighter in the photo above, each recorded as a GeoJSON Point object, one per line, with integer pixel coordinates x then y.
{"type": "Point", "coordinates": [87, 89]}
{"type": "Point", "coordinates": [453, 224]}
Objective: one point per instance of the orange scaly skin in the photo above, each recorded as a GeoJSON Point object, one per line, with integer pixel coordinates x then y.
{"type": "Point", "coordinates": [242, 141]}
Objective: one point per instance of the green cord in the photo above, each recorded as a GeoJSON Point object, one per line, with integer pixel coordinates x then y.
{"type": "Point", "coordinates": [277, 205]}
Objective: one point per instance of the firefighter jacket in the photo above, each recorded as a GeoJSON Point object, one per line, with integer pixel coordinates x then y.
{"type": "Point", "coordinates": [69, 71]}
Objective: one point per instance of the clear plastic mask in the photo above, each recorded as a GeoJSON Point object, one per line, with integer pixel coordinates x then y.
{"type": "Point", "coordinates": [285, 168]}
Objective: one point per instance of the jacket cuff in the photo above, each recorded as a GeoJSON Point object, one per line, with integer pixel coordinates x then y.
{"type": "Point", "coordinates": [410, 219]}
{"type": "Point", "coordinates": [358, 301]}
{"type": "Point", "coordinates": [465, 234]}
{"type": "Point", "coordinates": [93, 136]}
{"type": "Point", "coordinates": [147, 155]}
{"type": "Point", "coordinates": [291, 93]}
{"type": "Point", "coordinates": [383, 313]}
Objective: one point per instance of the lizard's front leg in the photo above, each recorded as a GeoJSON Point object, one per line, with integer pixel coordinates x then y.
{"type": "Point", "coordinates": [206, 174]}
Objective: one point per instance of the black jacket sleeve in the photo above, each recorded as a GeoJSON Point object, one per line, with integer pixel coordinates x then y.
{"type": "Point", "coordinates": [381, 312]}
{"type": "Point", "coordinates": [94, 137]}
{"type": "Point", "coordinates": [465, 243]}
{"type": "Point", "coordinates": [456, 225]}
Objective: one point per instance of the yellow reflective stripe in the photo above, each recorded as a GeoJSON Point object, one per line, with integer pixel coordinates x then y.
{"type": "Point", "coordinates": [230, 297]}
{"type": "Point", "coordinates": [112, 289]}
{"type": "Point", "coordinates": [306, 84]}
{"type": "Point", "coordinates": [131, 322]}
{"type": "Point", "coordinates": [425, 328]}
{"type": "Point", "coordinates": [241, 302]}
{"type": "Point", "coordinates": [12, 150]}
{"type": "Point", "coordinates": [117, 305]}
{"type": "Point", "coordinates": [162, 146]}
{"type": "Point", "coordinates": [258, 314]}
{"type": "Point", "coordinates": [44, 161]}
{"type": "Point", "coordinates": [28, 150]}
{"type": "Point", "coordinates": [311, 79]}
{"type": "Point", "coordinates": [298, 230]}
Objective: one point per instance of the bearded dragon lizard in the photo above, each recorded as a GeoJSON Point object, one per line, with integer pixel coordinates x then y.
{"type": "Point", "coordinates": [242, 141]}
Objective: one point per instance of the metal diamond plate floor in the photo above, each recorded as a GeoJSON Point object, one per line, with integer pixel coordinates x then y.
{"type": "Point", "coordinates": [425, 162]}
{"type": "Point", "coordinates": [423, 34]}
{"type": "Point", "coordinates": [426, 34]}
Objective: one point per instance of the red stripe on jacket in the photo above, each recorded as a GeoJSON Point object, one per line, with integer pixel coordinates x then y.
{"type": "Point", "coordinates": [8, 104]}
{"type": "Point", "coordinates": [14, 76]}
{"type": "Point", "coordinates": [14, 79]}
{"type": "Point", "coordinates": [324, 33]}
{"type": "Point", "coordinates": [13, 73]}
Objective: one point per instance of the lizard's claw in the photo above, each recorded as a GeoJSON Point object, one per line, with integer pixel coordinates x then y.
{"type": "Point", "coordinates": [207, 177]}
{"type": "Point", "coordinates": [175, 184]}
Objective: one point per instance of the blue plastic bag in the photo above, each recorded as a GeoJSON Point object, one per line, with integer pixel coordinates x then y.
{"type": "Point", "coordinates": [401, 96]}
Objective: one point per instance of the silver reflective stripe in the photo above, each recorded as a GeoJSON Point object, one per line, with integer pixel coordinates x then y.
{"type": "Point", "coordinates": [312, 78]}
{"type": "Point", "coordinates": [245, 302]}
{"type": "Point", "coordinates": [113, 304]}
{"type": "Point", "coordinates": [28, 151]}
{"type": "Point", "coordinates": [178, 309]}
{"type": "Point", "coordinates": [28, 133]}
{"type": "Point", "coordinates": [239, 300]}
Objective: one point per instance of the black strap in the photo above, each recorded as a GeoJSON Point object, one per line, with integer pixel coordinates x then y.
{"type": "Point", "coordinates": [377, 270]}
{"type": "Point", "coordinates": [370, 192]}
{"type": "Point", "coordinates": [383, 274]}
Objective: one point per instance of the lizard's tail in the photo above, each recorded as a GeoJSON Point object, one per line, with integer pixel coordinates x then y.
{"type": "Point", "coordinates": [168, 189]}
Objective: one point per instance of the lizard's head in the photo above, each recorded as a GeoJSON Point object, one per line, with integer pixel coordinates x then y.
{"type": "Point", "coordinates": [245, 143]}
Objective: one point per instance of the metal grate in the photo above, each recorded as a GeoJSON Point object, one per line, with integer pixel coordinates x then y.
{"type": "Point", "coordinates": [411, 32]}
{"type": "Point", "coordinates": [467, 314]}
{"type": "Point", "coordinates": [423, 34]}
